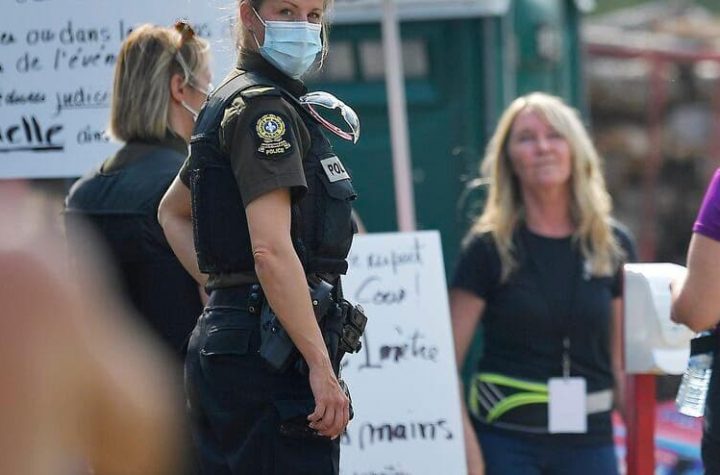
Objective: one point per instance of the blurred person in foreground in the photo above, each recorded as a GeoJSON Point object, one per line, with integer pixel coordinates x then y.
{"type": "Point", "coordinates": [542, 268]}
{"type": "Point", "coordinates": [84, 389]}
{"type": "Point", "coordinates": [696, 303]}
{"type": "Point", "coordinates": [162, 78]}
{"type": "Point", "coordinates": [269, 205]}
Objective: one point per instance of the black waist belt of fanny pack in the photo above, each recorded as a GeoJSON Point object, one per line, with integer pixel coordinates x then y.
{"type": "Point", "coordinates": [518, 404]}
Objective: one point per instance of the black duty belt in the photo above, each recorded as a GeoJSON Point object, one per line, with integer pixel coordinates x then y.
{"type": "Point", "coordinates": [247, 297]}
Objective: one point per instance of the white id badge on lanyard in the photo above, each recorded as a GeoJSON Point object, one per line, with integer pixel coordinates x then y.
{"type": "Point", "coordinates": [567, 410]}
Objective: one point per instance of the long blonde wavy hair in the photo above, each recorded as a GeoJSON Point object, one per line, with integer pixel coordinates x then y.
{"type": "Point", "coordinates": [590, 202]}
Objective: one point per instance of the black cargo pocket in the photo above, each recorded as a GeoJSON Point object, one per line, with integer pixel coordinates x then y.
{"type": "Point", "coordinates": [336, 226]}
{"type": "Point", "coordinates": [229, 370]}
{"type": "Point", "coordinates": [227, 341]}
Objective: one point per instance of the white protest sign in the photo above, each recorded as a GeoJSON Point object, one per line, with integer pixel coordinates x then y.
{"type": "Point", "coordinates": [56, 67]}
{"type": "Point", "coordinates": [404, 381]}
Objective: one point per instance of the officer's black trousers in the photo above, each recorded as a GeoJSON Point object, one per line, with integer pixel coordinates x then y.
{"type": "Point", "coordinates": [236, 405]}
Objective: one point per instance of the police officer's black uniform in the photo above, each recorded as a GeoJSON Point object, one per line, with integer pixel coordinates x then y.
{"type": "Point", "coordinates": [253, 137]}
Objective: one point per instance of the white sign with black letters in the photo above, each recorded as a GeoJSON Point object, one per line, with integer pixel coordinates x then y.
{"type": "Point", "coordinates": [404, 381]}
{"type": "Point", "coordinates": [56, 70]}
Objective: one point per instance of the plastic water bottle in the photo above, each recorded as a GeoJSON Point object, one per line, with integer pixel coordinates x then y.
{"type": "Point", "coordinates": [693, 390]}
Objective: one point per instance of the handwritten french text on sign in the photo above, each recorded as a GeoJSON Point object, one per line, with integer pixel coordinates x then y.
{"type": "Point", "coordinates": [56, 67]}
{"type": "Point", "coordinates": [404, 381]}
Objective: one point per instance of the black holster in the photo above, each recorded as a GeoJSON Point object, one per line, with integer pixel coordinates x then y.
{"type": "Point", "coordinates": [341, 323]}
{"type": "Point", "coordinates": [276, 348]}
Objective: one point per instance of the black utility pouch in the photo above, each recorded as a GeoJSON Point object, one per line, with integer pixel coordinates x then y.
{"type": "Point", "coordinates": [353, 328]}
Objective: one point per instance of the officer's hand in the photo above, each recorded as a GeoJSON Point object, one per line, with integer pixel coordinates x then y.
{"type": "Point", "coordinates": [332, 406]}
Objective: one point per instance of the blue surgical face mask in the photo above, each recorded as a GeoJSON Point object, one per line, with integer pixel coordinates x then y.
{"type": "Point", "coordinates": [291, 46]}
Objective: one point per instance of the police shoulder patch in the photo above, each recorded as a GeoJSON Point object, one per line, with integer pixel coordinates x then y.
{"type": "Point", "coordinates": [270, 132]}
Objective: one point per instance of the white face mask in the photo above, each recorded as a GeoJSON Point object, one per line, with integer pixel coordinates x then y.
{"type": "Point", "coordinates": [191, 80]}
{"type": "Point", "coordinates": [206, 91]}
{"type": "Point", "coordinates": [190, 109]}
{"type": "Point", "coordinates": [291, 46]}
{"type": "Point", "coordinates": [195, 113]}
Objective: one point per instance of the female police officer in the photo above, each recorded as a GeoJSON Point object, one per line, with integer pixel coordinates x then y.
{"type": "Point", "coordinates": [268, 203]}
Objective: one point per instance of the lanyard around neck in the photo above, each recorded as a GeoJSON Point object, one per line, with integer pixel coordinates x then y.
{"type": "Point", "coordinates": [566, 323]}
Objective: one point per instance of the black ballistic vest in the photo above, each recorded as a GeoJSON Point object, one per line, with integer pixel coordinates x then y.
{"type": "Point", "coordinates": [321, 227]}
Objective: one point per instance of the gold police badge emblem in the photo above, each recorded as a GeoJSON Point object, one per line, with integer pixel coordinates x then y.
{"type": "Point", "coordinates": [270, 128]}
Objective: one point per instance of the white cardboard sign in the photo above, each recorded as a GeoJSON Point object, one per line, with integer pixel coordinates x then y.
{"type": "Point", "coordinates": [56, 67]}
{"type": "Point", "coordinates": [404, 381]}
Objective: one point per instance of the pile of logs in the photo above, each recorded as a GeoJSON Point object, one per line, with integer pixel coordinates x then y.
{"type": "Point", "coordinates": [624, 48]}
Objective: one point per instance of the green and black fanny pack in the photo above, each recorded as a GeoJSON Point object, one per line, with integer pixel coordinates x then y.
{"type": "Point", "coordinates": [517, 404]}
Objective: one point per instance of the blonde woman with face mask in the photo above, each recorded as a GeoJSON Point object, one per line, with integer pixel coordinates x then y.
{"type": "Point", "coordinates": [261, 211]}
{"type": "Point", "coordinates": [162, 77]}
